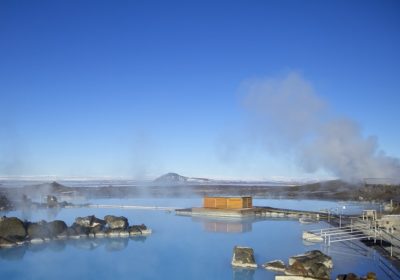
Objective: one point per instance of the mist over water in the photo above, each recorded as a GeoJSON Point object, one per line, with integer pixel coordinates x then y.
{"type": "Point", "coordinates": [288, 116]}
{"type": "Point", "coordinates": [179, 248]}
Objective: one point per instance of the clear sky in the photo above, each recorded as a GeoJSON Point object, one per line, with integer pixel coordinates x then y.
{"type": "Point", "coordinates": [140, 88]}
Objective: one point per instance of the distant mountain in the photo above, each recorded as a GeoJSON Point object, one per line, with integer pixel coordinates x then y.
{"type": "Point", "coordinates": [47, 188]}
{"type": "Point", "coordinates": [41, 190]}
{"type": "Point", "coordinates": [174, 178]}
{"type": "Point", "coordinates": [171, 178]}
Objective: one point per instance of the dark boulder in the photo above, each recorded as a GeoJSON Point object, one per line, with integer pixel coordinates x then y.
{"type": "Point", "coordinates": [80, 230]}
{"type": "Point", "coordinates": [7, 242]}
{"type": "Point", "coordinates": [71, 232]}
{"type": "Point", "coordinates": [96, 229]}
{"type": "Point", "coordinates": [243, 257]}
{"type": "Point", "coordinates": [311, 257]}
{"type": "Point", "coordinates": [12, 228]}
{"type": "Point", "coordinates": [57, 228]}
{"type": "Point", "coordinates": [318, 270]}
{"type": "Point", "coordinates": [117, 232]}
{"type": "Point", "coordinates": [89, 221]}
{"type": "Point", "coordinates": [84, 221]}
{"type": "Point", "coordinates": [38, 230]}
{"type": "Point", "coordinates": [136, 229]}
{"type": "Point", "coordinates": [311, 264]}
{"type": "Point", "coordinates": [114, 222]}
{"type": "Point", "coordinates": [296, 268]}
{"type": "Point", "coordinates": [276, 265]}
{"type": "Point", "coordinates": [96, 221]}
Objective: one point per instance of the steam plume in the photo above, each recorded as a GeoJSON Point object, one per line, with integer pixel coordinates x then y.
{"type": "Point", "coordinates": [287, 113]}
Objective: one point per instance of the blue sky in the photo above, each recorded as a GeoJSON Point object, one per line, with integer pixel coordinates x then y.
{"type": "Point", "coordinates": [139, 88]}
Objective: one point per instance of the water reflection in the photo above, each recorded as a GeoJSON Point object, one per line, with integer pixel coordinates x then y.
{"type": "Point", "coordinates": [243, 274]}
{"type": "Point", "coordinates": [87, 244]}
{"type": "Point", "coordinates": [226, 225]}
{"type": "Point", "coordinates": [13, 254]}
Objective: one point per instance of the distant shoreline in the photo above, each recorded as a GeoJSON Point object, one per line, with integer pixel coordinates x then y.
{"type": "Point", "coordinates": [329, 190]}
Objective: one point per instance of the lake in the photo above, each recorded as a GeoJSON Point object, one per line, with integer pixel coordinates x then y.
{"type": "Point", "coordinates": [180, 247]}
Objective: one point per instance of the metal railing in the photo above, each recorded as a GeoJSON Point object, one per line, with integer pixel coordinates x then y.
{"type": "Point", "coordinates": [347, 233]}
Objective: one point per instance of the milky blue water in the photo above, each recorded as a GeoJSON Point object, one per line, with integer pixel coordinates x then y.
{"type": "Point", "coordinates": [179, 248]}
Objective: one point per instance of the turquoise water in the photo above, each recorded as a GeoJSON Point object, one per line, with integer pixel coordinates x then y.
{"type": "Point", "coordinates": [179, 248]}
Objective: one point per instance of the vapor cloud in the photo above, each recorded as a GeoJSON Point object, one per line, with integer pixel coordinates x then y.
{"type": "Point", "coordinates": [13, 153]}
{"type": "Point", "coordinates": [288, 115]}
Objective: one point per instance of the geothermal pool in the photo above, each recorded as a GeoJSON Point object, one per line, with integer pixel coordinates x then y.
{"type": "Point", "coordinates": [179, 248]}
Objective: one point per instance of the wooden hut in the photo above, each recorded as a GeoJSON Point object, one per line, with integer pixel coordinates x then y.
{"type": "Point", "coordinates": [228, 202]}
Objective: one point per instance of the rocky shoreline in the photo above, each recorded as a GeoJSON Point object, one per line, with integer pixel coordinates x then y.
{"type": "Point", "coordinates": [15, 232]}
{"type": "Point", "coordinates": [310, 265]}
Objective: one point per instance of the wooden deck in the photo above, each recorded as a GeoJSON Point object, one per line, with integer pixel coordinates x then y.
{"type": "Point", "coordinates": [251, 212]}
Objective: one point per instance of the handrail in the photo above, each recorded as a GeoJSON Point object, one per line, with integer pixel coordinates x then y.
{"type": "Point", "coordinates": [333, 229]}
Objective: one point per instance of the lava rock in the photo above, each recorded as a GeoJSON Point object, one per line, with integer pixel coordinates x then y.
{"type": "Point", "coordinates": [12, 228]}
{"type": "Point", "coordinates": [311, 257]}
{"type": "Point", "coordinates": [311, 264]}
{"type": "Point", "coordinates": [96, 229]}
{"type": "Point", "coordinates": [276, 265]}
{"type": "Point", "coordinates": [80, 230]}
{"type": "Point", "coordinates": [38, 230]}
{"type": "Point", "coordinates": [137, 229]}
{"type": "Point", "coordinates": [117, 232]}
{"type": "Point", "coordinates": [243, 257]}
{"type": "Point", "coordinates": [89, 221]}
{"type": "Point", "coordinates": [57, 228]}
{"type": "Point", "coordinates": [7, 242]}
{"type": "Point", "coordinates": [114, 222]}
{"type": "Point", "coordinates": [84, 221]}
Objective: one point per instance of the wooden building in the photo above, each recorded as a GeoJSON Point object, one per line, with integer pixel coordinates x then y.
{"type": "Point", "coordinates": [228, 202]}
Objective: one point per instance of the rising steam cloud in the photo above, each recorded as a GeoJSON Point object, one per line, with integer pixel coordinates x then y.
{"type": "Point", "coordinates": [289, 115]}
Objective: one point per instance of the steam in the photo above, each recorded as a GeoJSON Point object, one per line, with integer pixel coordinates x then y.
{"type": "Point", "coordinates": [13, 153]}
{"type": "Point", "coordinates": [288, 115]}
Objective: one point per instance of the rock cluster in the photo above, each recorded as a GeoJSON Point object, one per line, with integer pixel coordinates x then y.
{"type": "Point", "coordinates": [313, 263]}
{"type": "Point", "coordinates": [310, 265]}
{"type": "Point", "coordinates": [15, 232]}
